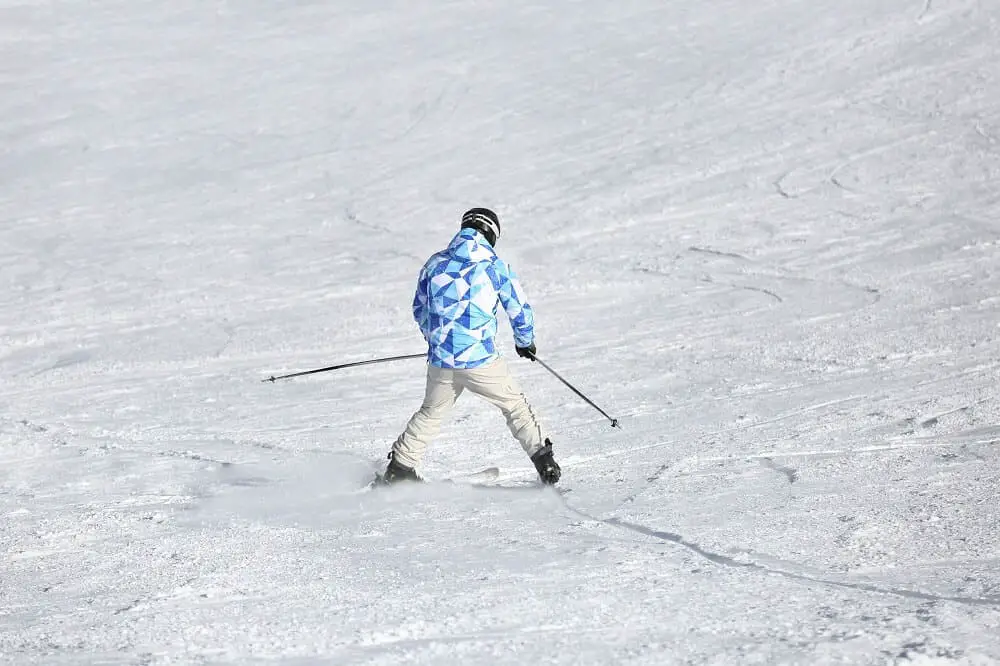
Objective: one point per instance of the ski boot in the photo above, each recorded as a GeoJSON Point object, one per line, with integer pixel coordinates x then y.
{"type": "Point", "coordinates": [396, 472]}
{"type": "Point", "coordinates": [548, 469]}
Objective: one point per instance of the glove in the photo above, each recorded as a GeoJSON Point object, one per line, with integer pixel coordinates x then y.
{"type": "Point", "coordinates": [527, 352]}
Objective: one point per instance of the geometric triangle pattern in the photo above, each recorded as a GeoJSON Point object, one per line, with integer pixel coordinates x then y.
{"type": "Point", "coordinates": [459, 293]}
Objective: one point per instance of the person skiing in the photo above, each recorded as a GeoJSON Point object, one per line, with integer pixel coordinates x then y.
{"type": "Point", "coordinates": [459, 292]}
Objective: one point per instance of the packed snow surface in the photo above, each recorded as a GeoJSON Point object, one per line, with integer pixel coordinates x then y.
{"type": "Point", "coordinates": [765, 235]}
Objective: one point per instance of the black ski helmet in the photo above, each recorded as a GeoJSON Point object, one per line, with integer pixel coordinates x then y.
{"type": "Point", "coordinates": [484, 221]}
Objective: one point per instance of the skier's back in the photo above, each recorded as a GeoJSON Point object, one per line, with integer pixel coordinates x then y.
{"type": "Point", "coordinates": [459, 293]}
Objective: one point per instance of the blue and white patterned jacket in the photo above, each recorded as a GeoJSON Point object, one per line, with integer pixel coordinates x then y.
{"type": "Point", "coordinates": [458, 295]}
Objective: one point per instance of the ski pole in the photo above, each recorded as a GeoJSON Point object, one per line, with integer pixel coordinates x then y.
{"type": "Point", "coordinates": [614, 422]}
{"type": "Point", "coordinates": [272, 378]}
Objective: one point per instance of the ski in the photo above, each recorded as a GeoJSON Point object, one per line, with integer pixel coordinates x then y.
{"type": "Point", "coordinates": [483, 476]}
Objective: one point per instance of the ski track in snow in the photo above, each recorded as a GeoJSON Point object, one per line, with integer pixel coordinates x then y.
{"type": "Point", "coordinates": [724, 560]}
{"type": "Point", "coordinates": [763, 235]}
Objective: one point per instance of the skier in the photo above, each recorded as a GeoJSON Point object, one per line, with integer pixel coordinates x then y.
{"type": "Point", "coordinates": [458, 294]}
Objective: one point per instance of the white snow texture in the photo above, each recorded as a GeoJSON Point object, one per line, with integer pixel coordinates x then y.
{"type": "Point", "coordinates": [765, 235]}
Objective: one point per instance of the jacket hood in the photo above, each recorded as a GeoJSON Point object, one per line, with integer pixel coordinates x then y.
{"type": "Point", "coordinates": [470, 245]}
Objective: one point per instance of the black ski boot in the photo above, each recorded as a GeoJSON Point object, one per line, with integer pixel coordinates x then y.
{"type": "Point", "coordinates": [396, 472]}
{"type": "Point", "coordinates": [548, 469]}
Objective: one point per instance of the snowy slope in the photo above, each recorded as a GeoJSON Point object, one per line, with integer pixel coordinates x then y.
{"type": "Point", "coordinates": [764, 234]}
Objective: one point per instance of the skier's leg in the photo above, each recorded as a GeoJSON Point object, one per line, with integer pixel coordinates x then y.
{"type": "Point", "coordinates": [440, 396]}
{"type": "Point", "coordinates": [494, 383]}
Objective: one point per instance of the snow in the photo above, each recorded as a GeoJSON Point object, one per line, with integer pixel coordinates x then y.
{"type": "Point", "coordinates": [763, 235]}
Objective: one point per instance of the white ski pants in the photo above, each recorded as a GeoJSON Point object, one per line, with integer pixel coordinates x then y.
{"type": "Point", "coordinates": [493, 383]}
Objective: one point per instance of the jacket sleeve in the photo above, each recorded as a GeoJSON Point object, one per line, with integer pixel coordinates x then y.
{"type": "Point", "coordinates": [515, 303]}
{"type": "Point", "coordinates": [421, 304]}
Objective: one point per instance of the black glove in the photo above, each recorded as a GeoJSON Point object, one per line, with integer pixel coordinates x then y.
{"type": "Point", "coordinates": [527, 352]}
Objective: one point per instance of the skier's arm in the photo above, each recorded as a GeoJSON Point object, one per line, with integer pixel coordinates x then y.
{"type": "Point", "coordinates": [421, 313]}
{"type": "Point", "coordinates": [515, 303]}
